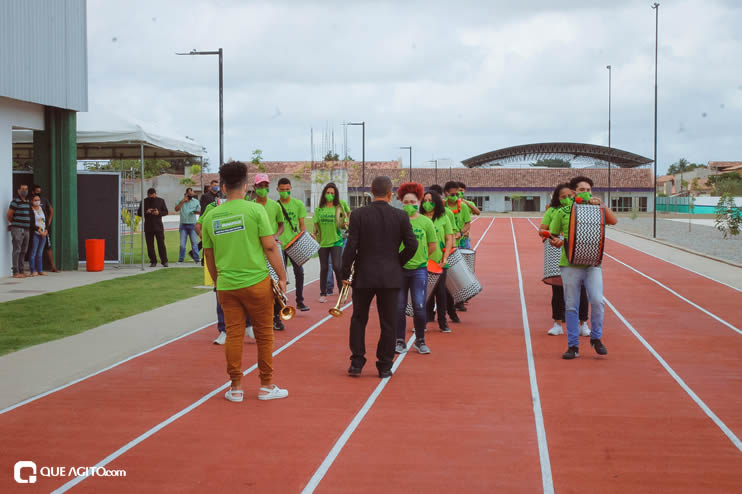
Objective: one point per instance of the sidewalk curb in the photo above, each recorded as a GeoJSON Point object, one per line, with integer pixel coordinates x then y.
{"type": "Point", "coordinates": [675, 246]}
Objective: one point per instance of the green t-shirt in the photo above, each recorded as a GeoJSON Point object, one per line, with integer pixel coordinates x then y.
{"type": "Point", "coordinates": [329, 233]}
{"type": "Point", "coordinates": [463, 216]}
{"type": "Point", "coordinates": [424, 231]}
{"type": "Point", "coordinates": [452, 220]}
{"type": "Point", "coordinates": [275, 215]}
{"type": "Point", "coordinates": [296, 210]}
{"type": "Point", "coordinates": [188, 211]}
{"type": "Point", "coordinates": [548, 216]}
{"type": "Point", "coordinates": [560, 225]}
{"type": "Point", "coordinates": [233, 230]}
{"type": "Point", "coordinates": [442, 228]}
{"type": "Point", "coordinates": [345, 206]}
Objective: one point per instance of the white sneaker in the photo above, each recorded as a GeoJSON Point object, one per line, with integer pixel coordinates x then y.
{"type": "Point", "coordinates": [274, 393]}
{"type": "Point", "coordinates": [556, 330]}
{"type": "Point", "coordinates": [584, 330]}
{"type": "Point", "coordinates": [221, 339]}
{"type": "Point", "coordinates": [235, 395]}
{"type": "Point", "coordinates": [250, 333]}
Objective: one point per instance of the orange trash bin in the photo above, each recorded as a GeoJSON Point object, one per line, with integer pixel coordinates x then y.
{"type": "Point", "coordinates": [95, 249]}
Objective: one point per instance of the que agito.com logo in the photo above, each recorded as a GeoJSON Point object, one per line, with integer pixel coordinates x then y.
{"type": "Point", "coordinates": [27, 472]}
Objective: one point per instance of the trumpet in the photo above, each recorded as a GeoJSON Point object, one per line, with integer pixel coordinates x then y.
{"type": "Point", "coordinates": [343, 296]}
{"type": "Point", "coordinates": [287, 312]}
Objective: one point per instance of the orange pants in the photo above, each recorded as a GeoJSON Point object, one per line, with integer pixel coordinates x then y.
{"type": "Point", "coordinates": [257, 300]}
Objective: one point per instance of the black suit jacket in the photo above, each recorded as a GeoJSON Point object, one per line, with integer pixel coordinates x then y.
{"type": "Point", "coordinates": [153, 223]}
{"type": "Point", "coordinates": [375, 233]}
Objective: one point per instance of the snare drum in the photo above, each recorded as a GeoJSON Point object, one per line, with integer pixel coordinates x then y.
{"type": "Point", "coordinates": [434, 275]}
{"type": "Point", "coordinates": [552, 271]}
{"type": "Point", "coordinates": [584, 247]}
{"type": "Point", "coordinates": [460, 281]}
{"type": "Point", "coordinates": [301, 248]}
{"type": "Point", "coordinates": [469, 257]}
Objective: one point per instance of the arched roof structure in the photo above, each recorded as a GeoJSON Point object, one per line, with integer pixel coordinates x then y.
{"type": "Point", "coordinates": [568, 151]}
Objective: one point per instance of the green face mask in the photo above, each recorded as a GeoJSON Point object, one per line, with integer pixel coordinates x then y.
{"type": "Point", "coordinates": [329, 197]}
{"type": "Point", "coordinates": [453, 197]}
{"type": "Point", "coordinates": [586, 196]}
{"type": "Point", "coordinates": [285, 194]}
{"type": "Point", "coordinates": [428, 206]}
{"type": "Point", "coordinates": [565, 201]}
{"type": "Point", "coordinates": [261, 192]}
{"type": "Point", "coordinates": [410, 208]}
{"type": "Point", "coordinates": [461, 194]}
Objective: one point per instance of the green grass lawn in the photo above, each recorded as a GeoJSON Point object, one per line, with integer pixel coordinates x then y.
{"type": "Point", "coordinates": [33, 320]}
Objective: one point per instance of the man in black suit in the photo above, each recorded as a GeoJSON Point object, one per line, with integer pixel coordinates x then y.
{"type": "Point", "coordinates": [154, 209]}
{"type": "Point", "coordinates": [376, 231]}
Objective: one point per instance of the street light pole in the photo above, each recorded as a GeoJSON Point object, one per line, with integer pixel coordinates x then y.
{"type": "Point", "coordinates": [410, 148]}
{"type": "Point", "coordinates": [220, 53]}
{"type": "Point", "coordinates": [363, 163]}
{"type": "Point", "coordinates": [656, 7]}
{"type": "Point", "coordinates": [609, 132]}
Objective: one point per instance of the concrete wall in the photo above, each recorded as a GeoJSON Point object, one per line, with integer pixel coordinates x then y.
{"type": "Point", "coordinates": [43, 52]}
{"type": "Point", "coordinates": [19, 115]}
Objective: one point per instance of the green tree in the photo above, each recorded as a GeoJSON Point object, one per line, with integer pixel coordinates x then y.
{"type": "Point", "coordinates": [553, 163]}
{"type": "Point", "coordinates": [257, 160]}
{"type": "Point", "coordinates": [683, 166]}
{"type": "Point", "coordinates": [729, 183]}
{"type": "Point", "coordinates": [152, 167]}
{"type": "Point", "coordinates": [331, 156]}
{"type": "Point", "coordinates": [728, 216]}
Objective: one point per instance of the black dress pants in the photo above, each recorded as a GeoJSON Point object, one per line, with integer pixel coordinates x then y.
{"type": "Point", "coordinates": [557, 303]}
{"type": "Point", "coordinates": [386, 304]}
{"type": "Point", "coordinates": [150, 238]}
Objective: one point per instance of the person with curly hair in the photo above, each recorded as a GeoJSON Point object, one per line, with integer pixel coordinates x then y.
{"type": "Point", "coordinates": [415, 272]}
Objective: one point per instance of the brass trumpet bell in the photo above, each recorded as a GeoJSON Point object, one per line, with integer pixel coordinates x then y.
{"type": "Point", "coordinates": [343, 295]}
{"type": "Point", "coordinates": [287, 312]}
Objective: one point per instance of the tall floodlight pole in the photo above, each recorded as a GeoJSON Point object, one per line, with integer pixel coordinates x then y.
{"type": "Point", "coordinates": [410, 148]}
{"type": "Point", "coordinates": [609, 132]}
{"type": "Point", "coordinates": [436, 169]}
{"type": "Point", "coordinates": [363, 163]}
{"type": "Point", "coordinates": [219, 52]}
{"type": "Point", "coordinates": [656, 7]}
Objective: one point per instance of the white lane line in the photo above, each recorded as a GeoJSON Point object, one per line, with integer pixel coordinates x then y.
{"type": "Point", "coordinates": [678, 265]}
{"type": "Point", "coordinates": [721, 425]}
{"type": "Point", "coordinates": [690, 302]}
{"type": "Point", "coordinates": [485, 233]}
{"type": "Point", "coordinates": [105, 461]}
{"type": "Point", "coordinates": [340, 443]}
{"type": "Point", "coordinates": [105, 369]}
{"type": "Point", "coordinates": [543, 448]}
{"type": "Point", "coordinates": [708, 313]}
{"type": "Point", "coordinates": [345, 436]}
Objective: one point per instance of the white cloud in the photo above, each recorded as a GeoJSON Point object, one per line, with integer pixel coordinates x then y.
{"type": "Point", "coordinates": [451, 79]}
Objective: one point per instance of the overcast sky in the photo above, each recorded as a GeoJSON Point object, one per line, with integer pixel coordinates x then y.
{"type": "Point", "coordinates": [452, 79]}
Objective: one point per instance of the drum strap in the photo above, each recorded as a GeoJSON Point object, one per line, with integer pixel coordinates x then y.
{"type": "Point", "coordinates": [286, 215]}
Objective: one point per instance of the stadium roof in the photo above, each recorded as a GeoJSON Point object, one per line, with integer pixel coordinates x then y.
{"type": "Point", "coordinates": [568, 151]}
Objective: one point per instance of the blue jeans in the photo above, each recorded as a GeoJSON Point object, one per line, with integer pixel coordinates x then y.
{"type": "Point", "coordinates": [36, 262]}
{"type": "Point", "coordinates": [330, 281]}
{"type": "Point", "coordinates": [187, 231]}
{"type": "Point", "coordinates": [465, 243]}
{"type": "Point", "coordinates": [414, 281]}
{"type": "Point", "coordinates": [572, 280]}
{"type": "Point", "coordinates": [220, 318]}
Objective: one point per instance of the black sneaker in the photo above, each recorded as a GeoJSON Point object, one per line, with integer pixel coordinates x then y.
{"type": "Point", "coordinates": [153, 265]}
{"type": "Point", "coordinates": [571, 353]}
{"type": "Point", "coordinates": [445, 329]}
{"type": "Point", "coordinates": [454, 318]}
{"type": "Point", "coordinates": [302, 307]}
{"type": "Point", "coordinates": [460, 307]}
{"type": "Point", "coordinates": [600, 349]}
{"type": "Point", "coordinates": [190, 254]}
{"type": "Point", "coordinates": [164, 264]}
{"type": "Point", "coordinates": [278, 325]}
{"type": "Point", "coordinates": [385, 373]}
{"type": "Point", "coordinates": [354, 371]}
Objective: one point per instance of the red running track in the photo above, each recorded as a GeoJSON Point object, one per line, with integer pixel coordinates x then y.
{"type": "Point", "coordinates": [461, 418]}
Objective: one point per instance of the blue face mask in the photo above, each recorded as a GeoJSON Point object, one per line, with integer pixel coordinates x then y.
{"type": "Point", "coordinates": [215, 189]}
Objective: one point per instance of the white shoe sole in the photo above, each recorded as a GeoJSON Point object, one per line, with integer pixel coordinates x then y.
{"type": "Point", "coordinates": [219, 341]}
{"type": "Point", "coordinates": [276, 394]}
{"type": "Point", "coordinates": [555, 331]}
{"type": "Point", "coordinates": [228, 395]}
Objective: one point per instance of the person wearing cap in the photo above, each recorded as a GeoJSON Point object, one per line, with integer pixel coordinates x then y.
{"type": "Point", "coordinates": [275, 217]}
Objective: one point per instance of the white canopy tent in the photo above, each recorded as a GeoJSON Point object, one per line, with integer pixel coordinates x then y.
{"type": "Point", "coordinates": [103, 135]}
